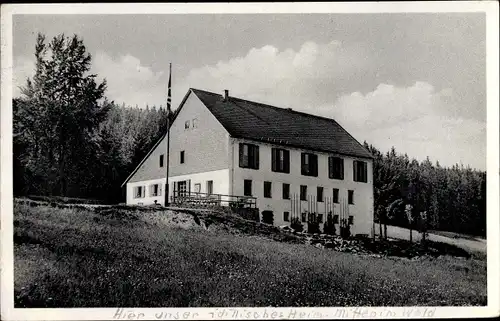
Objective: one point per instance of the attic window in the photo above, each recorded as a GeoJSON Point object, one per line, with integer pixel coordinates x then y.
{"type": "Point", "coordinates": [186, 124]}
{"type": "Point", "coordinates": [194, 122]}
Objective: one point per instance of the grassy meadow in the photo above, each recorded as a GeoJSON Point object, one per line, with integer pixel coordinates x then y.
{"type": "Point", "coordinates": [77, 257]}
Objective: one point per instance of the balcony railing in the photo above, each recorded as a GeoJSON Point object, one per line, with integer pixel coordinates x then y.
{"type": "Point", "coordinates": [205, 199]}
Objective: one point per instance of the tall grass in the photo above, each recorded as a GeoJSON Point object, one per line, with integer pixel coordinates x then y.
{"type": "Point", "coordinates": [78, 258]}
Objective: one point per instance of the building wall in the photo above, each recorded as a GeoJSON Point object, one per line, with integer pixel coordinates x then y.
{"type": "Point", "coordinates": [205, 145]}
{"type": "Point", "coordinates": [148, 199]}
{"type": "Point", "coordinates": [151, 169]}
{"type": "Point", "coordinates": [362, 210]}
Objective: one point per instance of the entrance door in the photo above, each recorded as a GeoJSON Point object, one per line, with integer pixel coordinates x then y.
{"type": "Point", "coordinates": [182, 188]}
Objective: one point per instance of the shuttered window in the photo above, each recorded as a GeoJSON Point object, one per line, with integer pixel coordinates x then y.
{"type": "Point", "coordinates": [309, 164]}
{"type": "Point", "coordinates": [335, 167]}
{"type": "Point", "coordinates": [249, 156]}
{"type": "Point", "coordinates": [155, 190]}
{"type": "Point", "coordinates": [280, 160]}
{"type": "Point", "coordinates": [360, 169]}
{"type": "Point", "coordinates": [139, 191]}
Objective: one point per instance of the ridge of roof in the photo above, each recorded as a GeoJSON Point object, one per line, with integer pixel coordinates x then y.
{"type": "Point", "coordinates": [286, 110]}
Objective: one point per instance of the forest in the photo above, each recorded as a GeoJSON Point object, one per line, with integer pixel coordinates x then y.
{"type": "Point", "coordinates": [70, 140]}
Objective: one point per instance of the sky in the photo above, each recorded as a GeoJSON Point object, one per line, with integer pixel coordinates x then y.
{"type": "Point", "coordinates": [415, 81]}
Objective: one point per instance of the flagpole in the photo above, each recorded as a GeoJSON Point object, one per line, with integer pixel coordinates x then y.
{"type": "Point", "coordinates": [169, 111]}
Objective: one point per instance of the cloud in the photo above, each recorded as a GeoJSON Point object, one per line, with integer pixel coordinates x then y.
{"type": "Point", "coordinates": [415, 120]}
{"type": "Point", "coordinates": [308, 76]}
{"type": "Point", "coordinates": [128, 80]}
{"type": "Point", "coordinates": [24, 68]}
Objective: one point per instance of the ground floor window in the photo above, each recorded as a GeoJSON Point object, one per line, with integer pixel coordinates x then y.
{"type": "Point", "coordinates": [247, 187]}
{"type": "Point", "coordinates": [303, 192]}
{"type": "Point", "coordinates": [210, 187]}
{"type": "Point", "coordinates": [267, 189]}
{"type": "Point", "coordinates": [335, 195]}
{"type": "Point", "coordinates": [350, 197]}
{"type": "Point", "coordinates": [139, 192]}
{"type": "Point", "coordinates": [286, 191]}
{"type": "Point", "coordinates": [155, 190]}
{"type": "Point", "coordinates": [286, 216]}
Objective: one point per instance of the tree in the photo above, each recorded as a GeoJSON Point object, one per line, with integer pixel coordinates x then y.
{"type": "Point", "coordinates": [59, 111]}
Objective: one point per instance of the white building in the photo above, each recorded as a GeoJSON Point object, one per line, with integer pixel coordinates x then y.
{"type": "Point", "coordinates": [293, 163]}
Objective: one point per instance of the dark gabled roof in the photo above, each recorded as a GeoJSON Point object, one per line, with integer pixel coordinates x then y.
{"type": "Point", "coordinates": [282, 126]}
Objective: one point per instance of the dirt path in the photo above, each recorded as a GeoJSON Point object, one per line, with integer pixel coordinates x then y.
{"type": "Point", "coordinates": [477, 245]}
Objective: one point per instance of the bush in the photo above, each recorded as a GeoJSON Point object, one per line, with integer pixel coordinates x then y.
{"type": "Point", "coordinates": [329, 226]}
{"type": "Point", "coordinates": [268, 217]}
{"type": "Point", "coordinates": [296, 224]}
{"type": "Point", "coordinates": [345, 229]}
{"type": "Point", "coordinates": [313, 227]}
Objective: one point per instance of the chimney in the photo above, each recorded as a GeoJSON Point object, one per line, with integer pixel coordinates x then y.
{"type": "Point", "coordinates": [226, 95]}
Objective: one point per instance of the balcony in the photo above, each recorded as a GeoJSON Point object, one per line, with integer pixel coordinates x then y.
{"type": "Point", "coordinates": [205, 200]}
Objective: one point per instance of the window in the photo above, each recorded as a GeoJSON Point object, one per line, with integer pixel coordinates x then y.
{"type": "Point", "coordinates": [210, 187]}
{"type": "Point", "coordinates": [197, 188]}
{"type": "Point", "coordinates": [186, 124]}
{"type": "Point", "coordinates": [303, 192]}
{"type": "Point", "coordinates": [155, 190]}
{"type": "Point", "coordinates": [335, 195]}
{"type": "Point", "coordinates": [360, 171]}
{"type": "Point", "coordinates": [161, 160]}
{"type": "Point", "coordinates": [139, 191]}
{"type": "Point", "coordinates": [303, 217]}
{"type": "Point", "coordinates": [181, 188]}
{"type": "Point", "coordinates": [286, 191]}
{"type": "Point", "coordinates": [194, 123]}
{"type": "Point", "coordinates": [267, 189]}
{"type": "Point", "coordinates": [247, 187]}
{"type": "Point", "coordinates": [309, 164]}
{"type": "Point", "coordinates": [249, 156]}
{"type": "Point", "coordinates": [182, 157]}
{"type": "Point", "coordinates": [335, 219]}
{"type": "Point", "coordinates": [280, 160]}
{"type": "Point", "coordinates": [335, 167]}
{"type": "Point", "coordinates": [351, 220]}
{"type": "Point", "coordinates": [320, 194]}
{"type": "Point", "coordinates": [320, 218]}
{"type": "Point", "coordinates": [286, 216]}
{"type": "Point", "coordinates": [350, 197]}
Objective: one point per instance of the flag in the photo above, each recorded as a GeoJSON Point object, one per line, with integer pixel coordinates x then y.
{"type": "Point", "coordinates": [169, 96]}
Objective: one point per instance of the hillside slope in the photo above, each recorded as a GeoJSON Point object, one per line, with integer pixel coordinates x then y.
{"type": "Point", "coordinates": [83, 257]}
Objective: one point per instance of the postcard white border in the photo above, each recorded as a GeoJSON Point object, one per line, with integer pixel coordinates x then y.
{"type": "Point", "coordinates": [490, 8]}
